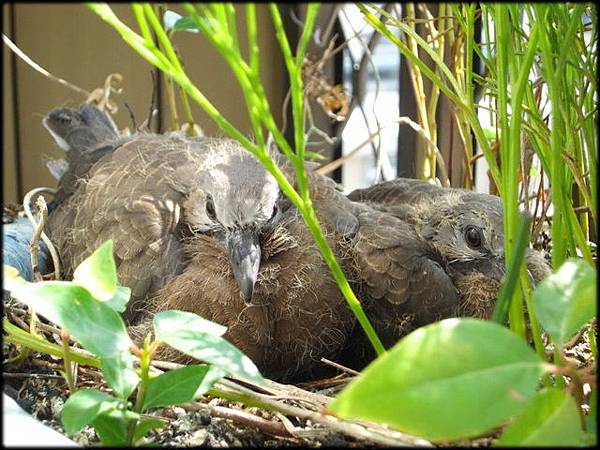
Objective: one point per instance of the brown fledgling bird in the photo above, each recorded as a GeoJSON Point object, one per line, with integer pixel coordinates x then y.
{"type": "Point", "coordinates": [199, 225]}
{"type": "Point", "coordinates": [424, 253]}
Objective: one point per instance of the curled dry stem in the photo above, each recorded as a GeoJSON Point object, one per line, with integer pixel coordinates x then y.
{"type": "Point", "coordinates": [45, 238]}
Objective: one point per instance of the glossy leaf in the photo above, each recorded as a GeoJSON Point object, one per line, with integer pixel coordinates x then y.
{"type": "Point", "coordinates": [94, 324]}
{"type": "Point", "coordinates": [178, 386]}
{"type": "Point", "coordinates": [120, 299]}
{"type": "Point", "coordinates": [171, 321]}
{"type": "Point", "coordinates": [566, 300]}
{"type": "Point", "coordinates": [146, 424]}
{"type": "Point", "coordinates": [84, 406]}
{"type": "Point", "coordinates": [112, 427]}
{"type": "Point", "coordinates": [201, 339]}
{"type": "Point", "coordinates": [453, 379]}
{"type": "Point", "coordinates": [551, 419]}
{"type": "Point", "coordinates": [98, 273]}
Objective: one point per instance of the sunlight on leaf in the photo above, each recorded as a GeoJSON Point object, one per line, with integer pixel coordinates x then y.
{"type": "Point", "coordinates": [566, 300]}
{"type": "Point", "coordinates": [201, 339]}
{"type": "Point", "coordinates": [98, 273]}
{"type": "Point", "coordinates": [82, 407]}
{"type": "Point", "coordinates": [11, 278]}
{"type": "Point", "coordinates": [551, 419]}
{"type": "Point", "coordinates": [453, 379]}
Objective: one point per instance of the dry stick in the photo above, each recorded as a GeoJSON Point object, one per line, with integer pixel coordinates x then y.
{"type": "Point", "coordinates": [401, 120]}
{"type": "Point", "coordinates": [40, 69]}
{"type": "Point", "coordinates": [34, 248]}
{"type": "Point", "coordinates": [547, 201]}
{"type": "Point", "coordinates": [46, 239]}
{"type": "Point", "coordinates": [387, 435]}
{"type": "Point", "coordinates": [358, 431]}
{"type": "Point", "coordinates": [359, 88]}
{"type": "Point", "coordinates": [322, 39]}
{"type": "Point", "coordinates": [353, 429]}
{"type": "Point", "coordinates": [540, 192]}
{"type": "Point", "coordinates": [30, 375]}
{"type": "Point", "coordinates": [243, 418]}
{"type": "Point", "coordinates": [340, 367]}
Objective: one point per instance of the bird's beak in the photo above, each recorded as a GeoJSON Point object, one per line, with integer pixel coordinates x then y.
{"type": "Point", "coordinates": [244, 257]}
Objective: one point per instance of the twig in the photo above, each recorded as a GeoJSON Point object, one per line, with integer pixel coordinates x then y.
{"type": "Point", "coordinates": [243, 418]}
{"type": "Point", "coordinates": [370, 433]}
{"type": "Point", "coordinates": [340, 367]}
{"type": "Point", "coordinates": [30, 375]}
{"type": "Point", "coordinates": [131, 116]}
{"type": "Point", "coordinates": [101, 96]}
{"type": "Point", "coordinates": [329, 167]}
{"type": "Point", "coordinates": [45, 239]}
{"type": "Point", "coordinates": [34, 248]}
{"type": "Point", "coordinates": [359, 81]}
{"type": "Point", "coordinates": [39, 68]}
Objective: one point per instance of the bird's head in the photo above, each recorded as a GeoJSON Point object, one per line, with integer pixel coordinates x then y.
{"type": "Point", "coordinates": [465, 229]}
{"type": "Point", "coordinates": [235, 201]}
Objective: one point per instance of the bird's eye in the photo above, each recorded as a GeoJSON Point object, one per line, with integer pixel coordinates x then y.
{"type": "Point", "coordinates": [473, 237]}
{"type": "Point", "coordinates": [210, 208]}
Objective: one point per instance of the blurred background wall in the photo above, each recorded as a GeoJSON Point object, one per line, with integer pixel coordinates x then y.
{"type": "Point", "coordinates": [72, 43]}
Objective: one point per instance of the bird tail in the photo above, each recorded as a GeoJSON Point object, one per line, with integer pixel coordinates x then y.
{"type": "Point", "coordinates": [86, 135]}
{"type": "Point", "coordinates": [80, 130]}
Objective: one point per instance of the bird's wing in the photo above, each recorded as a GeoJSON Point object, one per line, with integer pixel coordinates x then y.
{"type": "Point", "coordinates": [396, 192]}
{"type": "Point", "coordinates": [397, 271]}
{"type": "Point", "coordinates": [133, 196]}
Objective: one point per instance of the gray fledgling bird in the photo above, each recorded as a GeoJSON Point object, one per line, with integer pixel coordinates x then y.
{"type": "Point", "coordinates": [199, 225]}
{"type": "Point", "coordinates": [424, 253]}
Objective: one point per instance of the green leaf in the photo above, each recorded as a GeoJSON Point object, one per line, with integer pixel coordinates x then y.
{"type": "Point", "coordinates": [551, 419]}
{"type": "Point", "coordinates": [84, 406]}
{"type": "Point", "coordinates": [119, 373]}
{"type": "Point", "coordinates": [566, 300]}
{"type": "Point", "coordinates": [171, 321]}
{"type": "Point", "coordinates": [177, 386]}
{"type": "Point", "coordinates": [112, 427]}
{"type": "Point", "coordinates": [94, 324]}
{"type": "Point", "coordinates": [120, 299]}
{"type": "Point", "coordinates": [174, 21]}
{"type": "Point", "coordinates": [11, 278]}
{"type": "Point", "coordinates": [146, 424]}
{"type": "Point", "coordinates": [98, 273]}
{"type": "Point", "coordinates": [591, 422]}
{"type": "Point", "coordinates": [449, 380]}
{"type": "Point", "coordinates": [200, 338]}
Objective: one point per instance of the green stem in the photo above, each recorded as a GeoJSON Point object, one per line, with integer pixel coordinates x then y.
{"type": "Point", "coordinates": [162, 36]}
{"type": "Point", "coordinates": [138, 12]}
{"type": "Point", "coordinates": [560, 382]}
{"type": "Point", "coordinates": [16, 335]}
{"type": "Point", "coordinates": [145, 358]}
{"type": "Point", "coordinates": [64, 335]}
{"type": "Point", "coordinates": [510, 196]}
{"type": "Point", "coordinates": [188, 112]}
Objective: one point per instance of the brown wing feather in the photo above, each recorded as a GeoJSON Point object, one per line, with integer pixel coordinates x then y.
{"type": "Point", "coordinates": [131, 198]}
{"type": "Point", "coordinates": [398, 272]}
{"type": "Point", "coordinates": [396, 192]}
